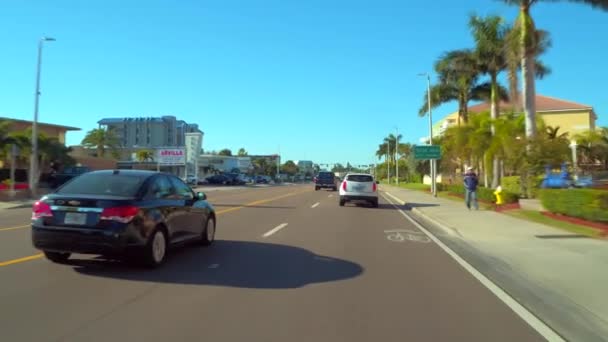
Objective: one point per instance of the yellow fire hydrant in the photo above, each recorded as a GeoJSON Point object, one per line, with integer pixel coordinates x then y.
{"type": "Point", "coordinates": [498, 194]}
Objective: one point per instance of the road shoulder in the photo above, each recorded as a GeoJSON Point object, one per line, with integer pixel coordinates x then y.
{"type": "Point", "coordinates": [553, 274]}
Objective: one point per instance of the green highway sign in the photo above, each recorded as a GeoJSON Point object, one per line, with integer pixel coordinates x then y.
{"type": "Point", "coordinates": [427, 152]}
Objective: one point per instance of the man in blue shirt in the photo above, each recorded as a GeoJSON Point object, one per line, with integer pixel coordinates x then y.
{"type": "Point", "coordinates": [470, 188]}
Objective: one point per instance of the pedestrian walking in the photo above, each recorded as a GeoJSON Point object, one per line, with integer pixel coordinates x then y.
{"type": "Point", "coordinates": [470, 188]}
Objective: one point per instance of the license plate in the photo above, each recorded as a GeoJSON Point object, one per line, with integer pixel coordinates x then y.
{"type": "Point", "coordinates": [75, 218]}
{"type": "Point", "coordinates": [359, 187]}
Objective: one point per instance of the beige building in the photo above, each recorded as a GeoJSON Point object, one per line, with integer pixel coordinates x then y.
{"type": "Point", "coordinates": [571, 117]}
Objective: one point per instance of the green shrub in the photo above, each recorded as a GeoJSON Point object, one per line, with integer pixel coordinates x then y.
{"type": "Point", "coordinates": [587, 204]}
{"type": "Point", "coordinates": [485, 194]}
{"type": "Point", "coordinates": [511, 184]}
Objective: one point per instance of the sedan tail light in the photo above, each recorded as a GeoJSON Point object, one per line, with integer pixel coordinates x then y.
{"type": "Point", "coordinates": [122, 214]}
{"type": "Point", "coordinates": [374, 187]}
{"type": "Point", "coordinates": [344, 185]}
{"type": "Point", "coordinates": [41, 209]}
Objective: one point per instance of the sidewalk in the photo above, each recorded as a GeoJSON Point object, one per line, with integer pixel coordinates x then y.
{"type": "Point", "coordinates": [559, 276]}
{"type": "Point", "coordinates": [15, 204]}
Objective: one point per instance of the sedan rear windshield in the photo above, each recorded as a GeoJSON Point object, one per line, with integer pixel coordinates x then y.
{"type": "Point", "coordinates": [326, 175]}
{"type": "Point", "coordinates": [104, 184]}
{"type": "Point", "coordinates": [360, 178]}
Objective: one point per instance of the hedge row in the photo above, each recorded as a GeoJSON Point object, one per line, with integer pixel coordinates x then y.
{"type": "Point", "coordinates": [588, 204]}
{"type": "Point", "coordinates": [485, 194]}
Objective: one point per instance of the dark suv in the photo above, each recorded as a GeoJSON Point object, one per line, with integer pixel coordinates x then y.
{"type": "Point", "coordinates": [325, 180]}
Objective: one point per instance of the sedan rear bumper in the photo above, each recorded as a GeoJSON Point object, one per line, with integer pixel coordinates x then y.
{"type": "Point", "coordinates": [85, 241]}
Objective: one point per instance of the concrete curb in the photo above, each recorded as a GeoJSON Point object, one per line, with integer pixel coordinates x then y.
{"type": "Point", "coordinates": [440, 225]}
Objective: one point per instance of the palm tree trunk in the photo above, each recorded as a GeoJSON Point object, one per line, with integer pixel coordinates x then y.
{"type": "Point", "coordinates": [527, 69]}
{"type": "Point", "coordinates": [494, 112]}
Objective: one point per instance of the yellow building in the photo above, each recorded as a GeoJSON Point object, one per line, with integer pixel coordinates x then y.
{"type": "Point", "coordinates": [571, 117]}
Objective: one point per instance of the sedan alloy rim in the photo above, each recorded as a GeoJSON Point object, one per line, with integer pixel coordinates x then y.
{"type": "Point", "coordinates": [158, 247]}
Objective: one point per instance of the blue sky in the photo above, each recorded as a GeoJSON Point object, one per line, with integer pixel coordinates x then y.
{"type": "Point", "coordinates": [325, 80]}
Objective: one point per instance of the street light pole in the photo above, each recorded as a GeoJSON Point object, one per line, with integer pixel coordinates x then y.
{"type": "Point", "coordinates": [573, 146]}
{"type": "Point", "coordinates": [432, 161]}
{"type": "Point", "coordinates": [388, 162]}
{"type": "Point", "coordinates": [397, 156]}
{"type": "Point", "coordinates": [34, 157]}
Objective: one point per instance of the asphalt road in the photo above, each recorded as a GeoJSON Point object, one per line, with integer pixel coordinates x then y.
{"type": "Point", "coordinates": [289, 264]}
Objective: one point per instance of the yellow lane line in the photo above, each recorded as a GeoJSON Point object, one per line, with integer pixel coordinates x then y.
{"type": "Point", "coordinates": [38, 256]}
{"type": "Point", "coordinates": [13, 228]}
{"type": "Point", "coordinates": [250, 204]}
{"type": "Point", "coordinates": [24, 259]}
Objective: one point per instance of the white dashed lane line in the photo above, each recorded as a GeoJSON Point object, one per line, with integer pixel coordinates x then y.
{"type": "Point", "coordinates": [275, 229]}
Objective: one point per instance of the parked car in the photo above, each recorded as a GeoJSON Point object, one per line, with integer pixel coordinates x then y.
{"type": "Point", "coordinates": [262, 179]}
{"type": "Point", "coordinates": [58, 179]}
{"type": "Point", "coordinates": [325, 180]}
{"type": "Point", "coordinates": [125, 213]}
{"type": "Point", "coordinates": [218, 179]}
{"type": "Point", "coordinates": [191, 180]}
{"type": "Point", "coordinates": [234, 179]}
{"type": "Point", "coordinates": [359, 187]}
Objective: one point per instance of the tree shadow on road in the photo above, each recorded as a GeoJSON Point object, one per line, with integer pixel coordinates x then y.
{"type": "Point", "coordinates": [242, 264]}
{"type": "Point", "coordinates": [253, 206]}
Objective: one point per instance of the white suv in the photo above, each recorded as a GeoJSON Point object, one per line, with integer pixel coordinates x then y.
{"type": "Point", "coordinates": [359, 187]}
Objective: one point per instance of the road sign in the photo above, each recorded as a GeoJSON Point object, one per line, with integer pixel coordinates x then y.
{"type": "Point", "coordinates": [427, 152]}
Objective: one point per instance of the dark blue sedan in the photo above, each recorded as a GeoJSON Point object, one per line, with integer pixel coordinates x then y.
{"type": "Point", "coordinates": [126, 213]}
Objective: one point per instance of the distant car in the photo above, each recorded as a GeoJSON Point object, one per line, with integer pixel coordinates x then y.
{"type": "Point", "coordinates": [123, 213]}
{"type": "Point", "coordinates": [262, 179]}
{"type": "Point", "coordinates": [191, 180]}
{"type": "Point", "coordinates": [325, 180]}
{"type": "Point", "coordinates": [58, 179]}
{"type": "Point", "coordinates": [359, 187]}
{"type": "Point", "coordinates": [218, 179]}
{"type": "Point", "coordinates": [234, 179]}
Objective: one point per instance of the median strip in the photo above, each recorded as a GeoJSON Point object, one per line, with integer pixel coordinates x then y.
{"type": "Point", "coordinates": [16, 261]}
{"type": "Point", "coordinates": [250, 204]}
{"type": "Point", "coordinates": [13, 228]}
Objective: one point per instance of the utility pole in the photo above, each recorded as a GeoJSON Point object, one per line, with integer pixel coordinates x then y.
{"type": "Point", "coordinates": [33, 173]}
{"type": "Point", "coordinates": [431, 161]}
{"type": "Point", "coordinates": [397, 156]}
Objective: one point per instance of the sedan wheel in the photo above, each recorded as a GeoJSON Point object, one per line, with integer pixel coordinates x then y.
{"type": "Point", "coordinates": [57, 256]}
{"type": "Point", "coordinates": [208, 235]}
{"type": "Point", "coordinates": [156, 249]}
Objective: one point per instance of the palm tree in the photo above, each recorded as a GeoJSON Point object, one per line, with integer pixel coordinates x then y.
{"type": "Point", "coordinates": [490, 34]}
{"type": "Point", "coordinates": [553, 133]}
{"type": "Point", "coordinates": [527, 42]}
{"type": "Point", "coordinates": [6, 140]}
{"type": "Point", "coordinates": [459, 74]}
{"type": "Point", "coordinates": [101, 139]}
{"type": "Point", "coordinates": [512, 54]}
{"type": "Point", "coordinates": [144, 155]}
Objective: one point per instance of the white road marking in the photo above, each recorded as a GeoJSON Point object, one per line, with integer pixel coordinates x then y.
{"type": "Point", "coordinates": [538, 325]}
{"type": "Point", "coordinates": [329, 196]}
{"type": "Point", "coordinates": [275, 229]}
{"type": "Point", "coordinates": [214, 266]}
{"type": "Point", "coordinates": [395, 198]}
{"type": "Point", "coordinates": [400, 235]}
{"type": "Point", "coordinates": [315, 205]}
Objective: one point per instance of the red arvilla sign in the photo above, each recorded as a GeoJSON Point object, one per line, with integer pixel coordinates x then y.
{"type": "Point", "coordinates": [171, 156]}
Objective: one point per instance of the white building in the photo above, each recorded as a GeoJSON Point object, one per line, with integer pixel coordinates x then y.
{"type": "Point", "coordinates": [194, 144]}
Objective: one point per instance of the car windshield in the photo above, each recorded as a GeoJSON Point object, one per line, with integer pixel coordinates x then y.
{"type": "Point", "coordinates": [103, 184]}
{"type": "Point", "coordinates": [360, 178]}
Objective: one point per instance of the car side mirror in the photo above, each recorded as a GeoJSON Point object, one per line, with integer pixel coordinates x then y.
{"type": "Point", "coordinates": [201, 196]}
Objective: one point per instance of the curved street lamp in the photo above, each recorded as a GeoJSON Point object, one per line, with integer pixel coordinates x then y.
{"type": "Point", "coordinates": [34, 157]}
